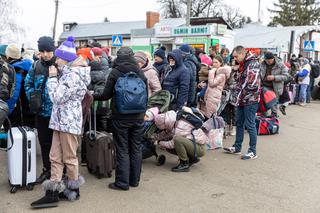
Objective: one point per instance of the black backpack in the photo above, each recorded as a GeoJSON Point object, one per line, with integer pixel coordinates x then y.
{"type": "Point", "coordinates": [315, 71]}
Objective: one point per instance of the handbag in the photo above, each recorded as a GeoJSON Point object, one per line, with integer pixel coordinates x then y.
{"type": "Point", "coordinates": [36, 98]}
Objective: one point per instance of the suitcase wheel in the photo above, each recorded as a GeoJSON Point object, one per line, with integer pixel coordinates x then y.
{"type": "Point", "coordinates": [29, 187]}
{"type": "Point", "coordinates": [109, 175]}
{"type": "Point", "coordinates": [161, 160]}
{"type": "Point", "coordinates": [89, 170]}
{"type": "Point", "coordinates": [13, 189]}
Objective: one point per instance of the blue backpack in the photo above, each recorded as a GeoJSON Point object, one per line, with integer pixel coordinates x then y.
{"type": "Point", "coordinates": [131, 94]}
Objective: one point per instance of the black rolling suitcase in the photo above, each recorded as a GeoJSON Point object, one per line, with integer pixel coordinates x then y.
{"type": "Point", "coordinates": [100, 151]}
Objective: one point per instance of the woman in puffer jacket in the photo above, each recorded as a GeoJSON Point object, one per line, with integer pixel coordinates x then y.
{"type": "Point", "coordinates": [179, 136]}
{"type": "Point", "coordinates": [216, 81]}
{"type": "Point", "coordinates": [149, 71]}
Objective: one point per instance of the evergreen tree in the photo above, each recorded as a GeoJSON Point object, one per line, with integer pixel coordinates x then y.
{"type": "Point", "coordinates": [295, 13]}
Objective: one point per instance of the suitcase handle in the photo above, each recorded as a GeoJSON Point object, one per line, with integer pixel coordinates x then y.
{"type": "Point", "coordinates": [10, 135]}
{"type": "Point", "coordinates": [94, 135]}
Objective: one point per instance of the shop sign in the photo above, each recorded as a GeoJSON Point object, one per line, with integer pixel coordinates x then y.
{"type": "Point", "coordinates": [195, 30]}
{"type": "Point", "coordinates": [195, 40]}
{"type": "Point", "coordinates": [163, 30]}
{"type": "Point", "coordinates": [222, 29]}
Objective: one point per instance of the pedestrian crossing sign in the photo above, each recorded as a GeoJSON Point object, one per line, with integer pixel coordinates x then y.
{"type": "Point", "coordinates": [308, 46]}
{"type": "Point", "coordinates": [117, 40]}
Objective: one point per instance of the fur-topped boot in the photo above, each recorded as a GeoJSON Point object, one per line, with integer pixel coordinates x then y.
{"type": "Point", "coordinates": [51, 198]}
{"type": "Point", "coordinates": [72, 191]}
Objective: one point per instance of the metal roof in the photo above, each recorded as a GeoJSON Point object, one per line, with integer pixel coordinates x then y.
{"type": "Point", "coordinates": [258, 36]}
{"type": "Point", "coordinates": [104, 29]}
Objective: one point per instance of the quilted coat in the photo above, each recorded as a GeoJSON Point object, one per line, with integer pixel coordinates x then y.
{"type": "Point", "coordinates": [180, 127]}
{"type": "Point", "coordinates": [66, 94]}
{"type": "Point", "coordinates": [212, 98]}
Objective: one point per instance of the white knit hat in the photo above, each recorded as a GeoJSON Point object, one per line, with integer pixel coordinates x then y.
{"type": "Point", "coordinates": [13, 51]}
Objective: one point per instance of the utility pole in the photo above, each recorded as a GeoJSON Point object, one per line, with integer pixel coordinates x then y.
{"type": "Point", "coordinates": [188, 12]}
{"type": "Point", "coordinates": [55, 20]}
{"type": "Point", "coordinates": [259, 17]}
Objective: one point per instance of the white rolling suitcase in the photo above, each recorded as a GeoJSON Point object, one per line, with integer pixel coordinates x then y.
{"type": "Point", "coordinates": [22, 158]}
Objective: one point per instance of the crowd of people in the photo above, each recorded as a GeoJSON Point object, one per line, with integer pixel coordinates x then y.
{"type": "Point", "coordinates": [47, 92]}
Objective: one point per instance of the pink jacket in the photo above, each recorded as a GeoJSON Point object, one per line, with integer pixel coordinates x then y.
{"type": "Point", "coordinates": [153, 79]}
{"type": "Point", "coordinates": [216, 81]}
{"type": "Point", "coordinates": [180, 127]}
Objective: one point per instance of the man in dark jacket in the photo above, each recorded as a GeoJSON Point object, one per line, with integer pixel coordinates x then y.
{"type": "Point", "coordinates": [160, 60]}
{"type": "Point", "coordinates": [36, 81]}
{"type": "Point", "coordinates": [248, 89]}
{"type": "Point", "coordinates": [176, 80]}
{"type": "Point", "coordinates": [191, 64]}
{"type": "Point", "coordinates": [127, 132]}
{"type": "Point", "coordinates": [273, 74]}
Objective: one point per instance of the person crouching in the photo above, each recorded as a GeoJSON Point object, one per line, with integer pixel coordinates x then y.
{"type": "Point", "coordinates": [67, 87]}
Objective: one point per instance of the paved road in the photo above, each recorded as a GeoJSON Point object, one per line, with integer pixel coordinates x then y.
{"type": "Point", "coordinates": [285, 178]}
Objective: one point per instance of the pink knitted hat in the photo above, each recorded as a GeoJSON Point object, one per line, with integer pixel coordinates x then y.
{"type": "Point", "coordinates": [206, 60]}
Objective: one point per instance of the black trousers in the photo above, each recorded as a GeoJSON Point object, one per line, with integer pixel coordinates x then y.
{"type": "Point", "coordinates": [127, 137]}
{"type": "Point", "coordinates": [45, 139]}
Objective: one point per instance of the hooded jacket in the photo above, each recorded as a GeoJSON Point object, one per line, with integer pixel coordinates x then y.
{"type": "Point", "coordinates": [7, 80]}
{"type": "Point", "coordinates": [191, 64]}
{"type": "Point", "coordinates": [212, 98]}
{"type": "Point", "coordinates": [249, 81]}
{"type": "Point", "coordinates": [66, 94]}
{"type": "Point", "coordinates": [280, 73]}
{"type": "Point", "coordinates": [21, 68]}
{"type": "Point", "coordinates": [121, 66]}
{"type": "Point", "coordinates": [177, 80]}
{"type": "Point", "coordinates": [153, 79]}
{"type": "Point", "coordinates": [34, 81]}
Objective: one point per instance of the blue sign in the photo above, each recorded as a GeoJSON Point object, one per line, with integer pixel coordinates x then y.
{"type": "Point", "coordinates": [117, 41]}
{"type": "Point", "coordinates": [308, 46]}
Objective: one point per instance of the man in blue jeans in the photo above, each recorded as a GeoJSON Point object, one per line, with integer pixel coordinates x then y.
{"type": "Point", "coordinates": [248, 90]}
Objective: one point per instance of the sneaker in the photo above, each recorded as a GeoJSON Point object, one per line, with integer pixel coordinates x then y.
{"type": "Point", "coordinates": [249, 156]}
{"type": "Point", "coordinates": [302, 104]}
{"type": "Point", "coordinates": [231, 150]}
{"type": "Point", "coordinates": [283, 110]}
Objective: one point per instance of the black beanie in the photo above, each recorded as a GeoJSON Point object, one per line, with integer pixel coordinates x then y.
{"type": "Point", "coordinates": [125, 51]}
{"type": "Point", "coordinates": [161, 52]}
{"type": "Point", "coordinates": [268, 55]}
{"type": "Point", "coordinates": [46, 43]}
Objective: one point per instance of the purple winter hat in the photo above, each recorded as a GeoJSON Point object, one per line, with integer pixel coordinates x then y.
{"type": "Point", "coordinates": [67, 50]}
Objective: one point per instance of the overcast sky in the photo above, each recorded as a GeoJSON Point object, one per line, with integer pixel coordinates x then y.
{"type": "Point", "coordinates": [37, 15]}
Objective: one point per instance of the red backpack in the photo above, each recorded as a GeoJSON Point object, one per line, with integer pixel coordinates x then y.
{"type": "Point", "coordinates": [267, 99]}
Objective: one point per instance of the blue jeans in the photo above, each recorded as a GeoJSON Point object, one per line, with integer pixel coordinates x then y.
{"type": "Point", "coordinates": [303, 93]}
{"type": "Point", "coordinates": [246, 117]}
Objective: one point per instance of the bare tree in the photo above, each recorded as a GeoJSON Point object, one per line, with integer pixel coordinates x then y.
{"type": "Point", "coordinates": [203, 8]}
{"type": "Point", "coordinates": [172, 8]}
{"type": "Point", "coordinates": [233, 16]}
{"type": "Point", "coordinates": [8, 24]}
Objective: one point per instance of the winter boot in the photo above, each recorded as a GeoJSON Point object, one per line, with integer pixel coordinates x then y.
{"type": "Point", "coordinates": [182, 167]}
{"type": "Point", "coordinates": [51, 198]}
{"type": "Point", "coordinates": [72, 191]}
